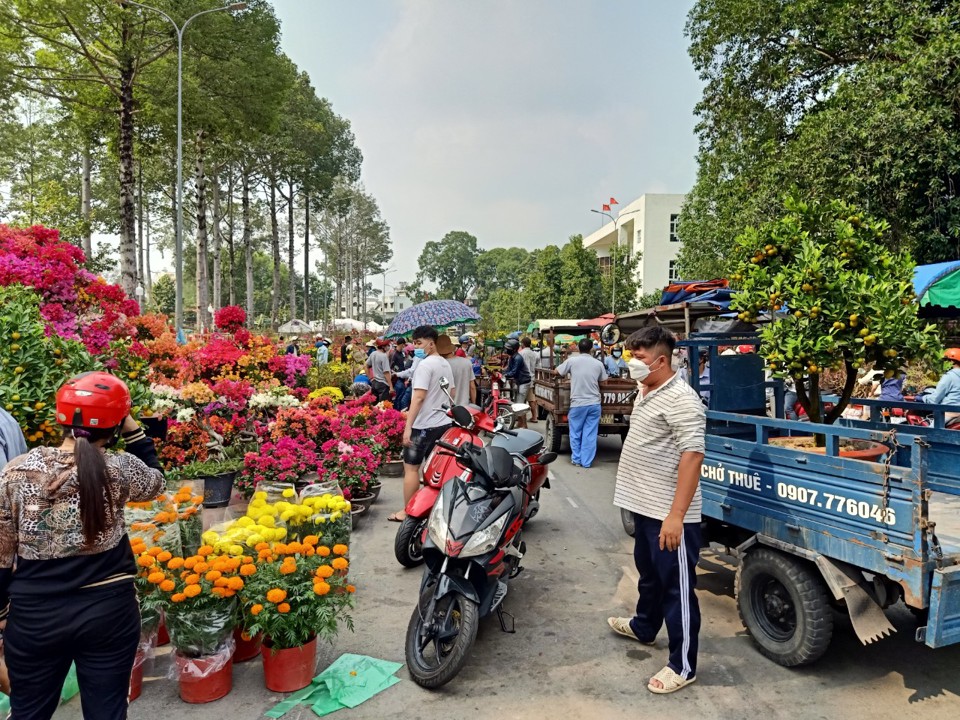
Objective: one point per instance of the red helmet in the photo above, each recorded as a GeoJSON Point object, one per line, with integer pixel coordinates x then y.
{"type": "Point", "coordinates": [952, 354]}
{"type": "Point", "coordinates": [93, 400]}
{"type": "Point", "coordinates": [745, 349]}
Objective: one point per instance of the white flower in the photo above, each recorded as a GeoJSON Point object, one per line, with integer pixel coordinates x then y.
{"type": "Point", "coordinates": [186, 415]}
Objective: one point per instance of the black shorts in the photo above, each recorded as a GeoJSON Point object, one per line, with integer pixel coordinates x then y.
{"type": "Point", "coordinates": [422, 442]}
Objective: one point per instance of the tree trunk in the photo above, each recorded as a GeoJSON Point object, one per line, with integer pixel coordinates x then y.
{"type": "Point", "coordinates": [230, 244]}
{"type": "Point", "coordinates": [306, 257]}
{"type": "Point", "coordinates": [217, 239]}
{"type": "Point", "coordinates": [85, 205]}
{"type": "Point", "coordinates": [203, 278]}
{"type": "Point", "coordinates": [247, 243]}
{"type": "Point", "coordinates": [290, 253]}
{"type": "Point", "coordinates": [139, 226]}
{"type": "Point", "coordinates": [128, 248]}
{"type": "Point", "coordinates": [275, 246]}
{"type": "Point", "coordinates": [147, 274]}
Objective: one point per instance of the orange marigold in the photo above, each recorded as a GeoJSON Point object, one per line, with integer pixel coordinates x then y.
{"type": "Point", "coordinates": [246, 560]}
{"type": "Point", "coordinates": [276, 595]}
{"type": "Point", "coordinates": [192, 579]}
{"type": "Point", "coordinates": [324, 571]}
{"type": "Point", "coordinates": [189, 563]}
{"type": "Point", "coordinates": [235, 583]}
{"type": "Point", "coordinates": [309, 551]}
{"type": "Point", "coordinates": [321, 588]}
{"type": "Point", "coordinates": [227, 592]}
{"type": "Point", "coordinates": [218, 591]}
{"type": "Point", "coordinates": [146, 561]}
{"type": "Point", "coordinates": [280, 549]}
{"type": "Point", "coordinates": [220, 582]}
{"type": "Point", "coordinates": [262, 546]}
{"type": "Point", "coordinates": [205, 550]}
{"type": "Point", "coordinates": [156, 578]}
{"type": "Point", "coordinates": [288, 568]}
{"type": "Point", "coordinates": [351, 588]}
{"type": "Point", "coordinates": [201, 567]}
{"type": "Point", "coordinates": [167, 585]}
{"type": "Point", "coordinates": [256, 609]}
{"type": "Point", "coordinates": [323, 551]}
{"type": "Point", "coordinates": [191, 590]}
{"type": "Point", "coordinates": [155, 551]}
{"type": "Point", "coordinates": [164, 556]}
{"type": "Point", "coordinates": [340, 563]}
{"type": "Point", "coordinates": [340, 549]}
{"type": "Point", "coordinates": [248, 570]}
{"type": "Point", "coordinates": [283, 608]}
{"type": "Point", "coordinates": [213, 575]}
{"type": "Point", "coordinates": [265, 554]}
{"type": "Point", "coordinates": [175, 563]}
{"type": "Point", "coordinates": [294, 547]}
{"type": "Point", "coordinates": [311, 540]}
{"type": "Point", "coordinates": [178, 597]}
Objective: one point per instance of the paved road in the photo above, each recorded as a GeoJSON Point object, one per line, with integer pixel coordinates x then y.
{"type": "Point", "coordinates": [563, 662]}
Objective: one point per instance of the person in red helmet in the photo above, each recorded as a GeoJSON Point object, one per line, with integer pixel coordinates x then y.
{"type": "Point", "coordinates": [947, 391]}
{"type": "Point", "coordinates": [66, 568]}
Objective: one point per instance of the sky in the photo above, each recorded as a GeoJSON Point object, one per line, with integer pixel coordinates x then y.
{"type": "Point", "coordinates": [509, 119]}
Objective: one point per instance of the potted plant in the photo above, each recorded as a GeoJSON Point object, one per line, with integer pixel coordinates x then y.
{"type": "Point", "coordinates": [150, 600]}
{"type": "Point", "coordinates": [838, 297]}
{"type": "Point", "coordinates": [217, 476]}
{"type": "Point", "coordinates": [201, 608]}
{"type": "Point", "coordinates": [298, 595]}
{"type": "Point", "coordinates": [283, 461]}
{"type": "Point", "coordinates": [352, 466]}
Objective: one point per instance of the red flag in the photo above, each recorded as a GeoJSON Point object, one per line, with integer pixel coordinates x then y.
{"type": "Point", "coordinates": [613, 201]}
{"type": "Point", "coordinates": [606, 208]}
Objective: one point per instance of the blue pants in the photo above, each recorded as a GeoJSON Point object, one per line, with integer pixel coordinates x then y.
{"type": "Point", "coordinates": [667, 582]}
{"type": "Point", "coordinates": [584, 425]}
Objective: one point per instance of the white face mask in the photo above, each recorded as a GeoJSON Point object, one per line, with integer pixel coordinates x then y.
{"type": "Point", "coordinates": [639, 370]}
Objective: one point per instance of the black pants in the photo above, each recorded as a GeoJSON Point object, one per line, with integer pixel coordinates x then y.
{"type": "Point", "coordinates": [381, 391]}
{"type": "Point", "coordinates": [98, 629]}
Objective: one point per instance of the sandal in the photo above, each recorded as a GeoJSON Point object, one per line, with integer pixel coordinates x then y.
{"type": "Point", "coordinates": [397, 517]}
{"type": "Point", "coordinates": [670, 681]}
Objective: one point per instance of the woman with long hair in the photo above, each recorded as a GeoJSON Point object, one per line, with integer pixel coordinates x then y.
{"type": "Point", "coordinates": [66, 568]}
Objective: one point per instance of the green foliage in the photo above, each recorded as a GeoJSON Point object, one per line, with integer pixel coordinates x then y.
{"type": "Point", "coordinates": [582, 295]}
{"type": "Point", "coordinates": [451, 263]}
{"type": "Point", "coordinates": [209, 468]}
{"type": "Point", "coordinates": [501, 268]}
{"type": "Point", "coordinates": [333, 374]}
{"type": "Point", "coordinates": [649, 300]}
{"type": "Point", "coordinates": [849, 298]}
{"type": "Point", "coordinates": [624, 269]}
{"type": "Point", "coordinates": [164, 295]}
{"type": "Point", "coordinates": [848, 100]}
{"type": "Point", "coordinates": [544, 287]}
{"type": "Point", "coordinates": [505, 311]}
{"type": "Point", "coordinates": [34, 365]}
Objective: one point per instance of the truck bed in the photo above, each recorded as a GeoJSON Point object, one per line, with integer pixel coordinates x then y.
{"type": "Point", "coordinates": [945, 512]}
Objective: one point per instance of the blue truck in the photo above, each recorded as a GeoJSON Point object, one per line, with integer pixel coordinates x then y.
{"type": "Point", "coordinates": [814, 533]}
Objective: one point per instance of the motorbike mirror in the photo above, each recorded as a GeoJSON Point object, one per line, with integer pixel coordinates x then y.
{"type": "Point", "coordinates": [610, 334]}
{"type": "Point", "coordinates": [444, 383]}
{"type": "Point", "coordinates": [462, 416]}
{"type": "Point", "coordinates": [547, 458]}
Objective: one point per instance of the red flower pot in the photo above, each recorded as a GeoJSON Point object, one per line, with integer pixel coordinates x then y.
{"type": "Point", "coordinates": [289, 669]}
{"type": "Point", "coordinates": [136, 676]}
{"type": "Point", "coordinates": [163, 637]}
{"type": "Point", "coordinates": [199, 683]}
{"type": "Point", "coordinates": [246, 649]}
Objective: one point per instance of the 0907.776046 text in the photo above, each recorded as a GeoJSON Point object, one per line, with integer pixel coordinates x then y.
{"type": "Point", "coordinates": [839, 503]}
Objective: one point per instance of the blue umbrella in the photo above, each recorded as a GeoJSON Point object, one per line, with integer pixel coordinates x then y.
{"type": "Point", "coordinates": [438, 313]}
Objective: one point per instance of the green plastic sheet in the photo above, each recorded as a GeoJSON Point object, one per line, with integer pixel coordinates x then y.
{"type": "Point", "coordinates": [349, 681]}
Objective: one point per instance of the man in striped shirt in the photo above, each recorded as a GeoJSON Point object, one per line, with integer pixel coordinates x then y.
{"type": "Point", "coordinates": [659, 482]}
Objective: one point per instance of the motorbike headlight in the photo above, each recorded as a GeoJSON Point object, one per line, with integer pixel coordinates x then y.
{"type": "Point", "coordinates": [485, 540]}
{"type": "Point", "coordinates": [437, 526]}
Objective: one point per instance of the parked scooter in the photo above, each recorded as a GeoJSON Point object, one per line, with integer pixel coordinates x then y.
{"type": "Point", "coordinates": [473, 547]}
{"type": "Point", "coordinates": [439, 468]}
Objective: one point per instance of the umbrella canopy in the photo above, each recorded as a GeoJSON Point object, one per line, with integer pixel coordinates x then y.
{"type": "Point", "coordinates": [438, 313]}
{"type": "Point", "coordinates": [295, 327]}
{"type": "Point", "coordinates": [598, 322]}
{"type": "Point", "coordinates": [938, 289]}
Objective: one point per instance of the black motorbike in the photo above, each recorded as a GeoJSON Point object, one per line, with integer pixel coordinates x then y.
{"type": "Point", "coordinates": [472, 548]}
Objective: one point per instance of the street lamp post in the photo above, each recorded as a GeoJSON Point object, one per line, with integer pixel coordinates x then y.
{"type": "Point", "coordinates": [178, 244]}
{"type": "Point", "coordinates": [616, 248]}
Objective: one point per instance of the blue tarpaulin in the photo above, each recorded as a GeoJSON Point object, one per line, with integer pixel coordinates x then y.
{"type": "Point", "coordinates": [938, 285]}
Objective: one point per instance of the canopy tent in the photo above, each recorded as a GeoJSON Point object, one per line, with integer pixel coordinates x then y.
{"type": "Point", "coordinates": [347, 324]}
{"type": "Point", "coordinates": [597, 322]}
{"type": "Point", "coordinates": [686, 304]}
{"type": "Point", "coordinates": [557, 326]}
{"type": "Point", "coordinates": [938, 289]}
{"type": "Point", "coordinates": [295, 327]}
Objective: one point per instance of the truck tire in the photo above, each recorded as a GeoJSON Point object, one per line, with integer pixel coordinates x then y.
{"type": "Point", "coordinates": [553, 435]}
{"type": "Point", "coordinates": [785, 607]}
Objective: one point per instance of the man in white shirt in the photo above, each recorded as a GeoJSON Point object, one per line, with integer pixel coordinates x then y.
{"type": "Point", "coordinates": [12, 442]}
{"type": "Point", "coordinates": [427, 421]}
{"type": "Point", "coordinates": [658, 480]}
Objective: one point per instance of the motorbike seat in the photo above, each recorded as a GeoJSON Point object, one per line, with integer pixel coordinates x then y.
{"type": "Point", "coordinates": [526, 442]}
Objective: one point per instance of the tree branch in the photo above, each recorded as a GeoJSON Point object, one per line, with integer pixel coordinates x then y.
{"type": "Point", "coordinates": [848, 386]}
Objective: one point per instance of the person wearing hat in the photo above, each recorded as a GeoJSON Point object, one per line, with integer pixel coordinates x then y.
{"type": "Point", "coordinates": [323, 350]}
{"type": "Point", "coordinates": [461, 370]}
{"type": "Point", "coordinates": [294, 347]}
{"type": "Point", "coordinates": [516, 371]}
{"type": "Point", "coordinates": [378, 364]}
{"type": "Point", "coordinates": [72, 597]}
{"type": "Point", "coordinates": [614, 362]}
{"type": "Point", "coordinates": [465, 350]}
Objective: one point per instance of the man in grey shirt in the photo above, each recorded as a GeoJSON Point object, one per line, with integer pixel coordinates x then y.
{"type": "Point", "coordinates": [12, 442]}
{"type": "Point", "coordinates": [461, 371]}
{"type": "Point", "coordinates": [586, 373]}
{"type": "Point", "coordinates": [379, 363]}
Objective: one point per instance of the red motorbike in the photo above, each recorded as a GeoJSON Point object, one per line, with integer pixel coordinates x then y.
{"type": "Point", "coordinates": [440, 467]}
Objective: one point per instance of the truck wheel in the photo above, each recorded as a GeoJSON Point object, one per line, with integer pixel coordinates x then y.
{"type": "Point", "coordinates": [784, 605]}
{"type": "Point", "coordinates": [553, 436]}
{"type": "Point", "coordinates": [629, 526]}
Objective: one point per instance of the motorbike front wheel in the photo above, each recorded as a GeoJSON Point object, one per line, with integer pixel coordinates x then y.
{"type": "Point", "coordinates": [408, 545]}
{"type": "Point", "coordinates": [437, 645]}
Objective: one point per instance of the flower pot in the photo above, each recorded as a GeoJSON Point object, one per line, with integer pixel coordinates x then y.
{"type": "Point", "coordinates": [856, 449]}
{"type": "Point", "coordinates": [204, 679]}
{"type": "Point", "coordinates": [163, 637]}
{"type": "Point", "coordinates": [392, 469]}
{"type": "Point", "coordinates": [286, 670]}
{"type": "Point", "coordinates": [217, 490]}
{"type": "Point", "coordinates": [356, 512]}
{"type": "Point", "coordinates": [136, 675]}
{"type": "Point", "coordinates": [364, 500]}
{"type": "Point", "coordinates": [374, 489]}
{"type": "Point", "coordinates": [246, 649]}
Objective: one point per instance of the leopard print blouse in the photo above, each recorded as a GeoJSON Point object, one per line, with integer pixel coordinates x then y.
{"type": "Point", "coordinates": [40, 504]}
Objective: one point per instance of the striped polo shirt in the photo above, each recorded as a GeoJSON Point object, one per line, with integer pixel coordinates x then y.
{"type": "Point", "coordinates": [665, 423]}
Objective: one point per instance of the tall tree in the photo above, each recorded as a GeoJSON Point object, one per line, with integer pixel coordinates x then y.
{"type": "Point", "coordinates": [450, 263]}
{"type": "Point", "coordinates": [501, 268]}
{"type": "Point", "coordinates": [854, 99]}
{"type": "Point", "coordinates": [582, 284]}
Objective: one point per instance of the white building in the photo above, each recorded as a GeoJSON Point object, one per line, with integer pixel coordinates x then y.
{"type": "Point", "coordinates": [647, 225]}
{"type": "Point", "coordinates": [396, 302]}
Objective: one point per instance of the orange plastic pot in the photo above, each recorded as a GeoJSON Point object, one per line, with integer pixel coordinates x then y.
{"type": "Point", "coordinates": [136, 677]}
{"type": "Point", "coordinates": [163, 637]}
{"type": "Point", "coordinates": [203, 687]}
{"type": "Point", "coordinates": [246, 649]}
{"type": "Point", "coordinates": [286, 670]}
